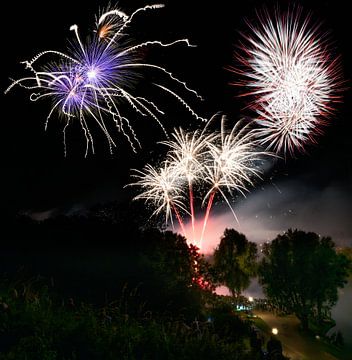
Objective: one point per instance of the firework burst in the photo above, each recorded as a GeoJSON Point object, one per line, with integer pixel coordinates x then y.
{"type": "Point", "coordinates": [188, 151]}
{"type": "Point", "coordinates": [223, 162]}
{"type": "Point", "coordinates": [93, 78]}
{"type": "Point", "coordinates": [292, 77]}
{"type": "Point", "coordinates": [231, 166]}
{"type": "Point", "coordinates": [163, 189]}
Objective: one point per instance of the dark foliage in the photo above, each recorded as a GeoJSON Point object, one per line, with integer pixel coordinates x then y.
{"type": "Point", "coordinates": [301, 273]}
{"type": "Point", "coordinates": [235, 261]}
{"type": "Point", "coordinates": [35, 324]}
{"type": "Point", "coordinates": [150, 293]}
{"type": "Point", "coordinates": [95, 255]}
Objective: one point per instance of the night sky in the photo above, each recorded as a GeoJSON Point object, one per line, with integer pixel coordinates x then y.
{"type": "Point", "coordinates": [312, 191]}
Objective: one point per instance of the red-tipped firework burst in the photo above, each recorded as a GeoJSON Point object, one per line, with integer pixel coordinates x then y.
{"type": "Point", "coordinates": [292, 77]}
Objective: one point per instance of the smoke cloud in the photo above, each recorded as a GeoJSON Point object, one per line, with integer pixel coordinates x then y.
{"type": "Point", "coordinates": [273, 209]}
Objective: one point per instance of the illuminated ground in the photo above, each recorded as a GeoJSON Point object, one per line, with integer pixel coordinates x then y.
{"type": "Point", "coordinates": [296, 346]}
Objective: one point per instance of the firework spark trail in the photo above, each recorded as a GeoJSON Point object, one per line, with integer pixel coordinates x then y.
{"type": "Point", "coordinates": [95, 76]}
{"type": "Point", "coordinates": [128, 20]}
{"type": "Point", "coordinates": [191, 205]}
{"type": "Point", "coordinates": [179, 219]}
{"type": "Point", "coordinates": [206, 216]}
{"type": "Point", "coordinates": [292, 78]}
{"type": "Point", "coordinates": [182, 102]}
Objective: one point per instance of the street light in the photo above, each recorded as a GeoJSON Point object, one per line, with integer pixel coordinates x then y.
{"type": "Point", "coordinates": [275, 331]}
{"type": "Point", "coordinates": [250, 299]}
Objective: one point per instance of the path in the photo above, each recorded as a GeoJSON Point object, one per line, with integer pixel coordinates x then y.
{"type": "Point", "coordinates": [295, 345]}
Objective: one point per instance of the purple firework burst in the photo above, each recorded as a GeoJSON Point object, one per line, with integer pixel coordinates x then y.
{"type": "Point", "coordinates": [91, 79]}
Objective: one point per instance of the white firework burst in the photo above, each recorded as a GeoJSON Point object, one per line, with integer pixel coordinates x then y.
{"type": "Point", "coordinates": [162, 188]}
{"type": "Point", "coordinates": [232, 163]}
{"type": "Point", "coordinates": [292, 77]}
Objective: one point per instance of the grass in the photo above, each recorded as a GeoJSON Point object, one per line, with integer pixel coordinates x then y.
{"type": "Point", "coordinates": [35, 324]}
{"type": "Point", "coordinates": [261, 325]}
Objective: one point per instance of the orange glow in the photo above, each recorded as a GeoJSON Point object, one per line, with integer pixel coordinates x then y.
{"type": "Point", "coordinates": [104, 31]}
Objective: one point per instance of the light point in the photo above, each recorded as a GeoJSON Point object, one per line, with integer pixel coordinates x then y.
{"type": "Point", "coordinates": [92, 74]}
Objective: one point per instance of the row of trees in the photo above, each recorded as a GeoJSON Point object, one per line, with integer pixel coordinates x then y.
{"type": "Point", "coordinates": [300, 271]}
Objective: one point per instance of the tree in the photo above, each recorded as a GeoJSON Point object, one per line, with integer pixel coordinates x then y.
{"type": "Point", "coordinates": [301, 272]}
{"type": "Point", "coordinates": [178, 277]}
{"type": "Point", "coordinates": [235, 261]}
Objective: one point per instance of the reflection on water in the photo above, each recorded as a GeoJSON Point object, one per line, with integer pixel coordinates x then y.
{"type": "Point", "coordinates": [342, 314]}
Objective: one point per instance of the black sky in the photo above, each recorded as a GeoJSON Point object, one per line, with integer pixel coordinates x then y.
{"type": "Point", "coordinates": [37, 177]}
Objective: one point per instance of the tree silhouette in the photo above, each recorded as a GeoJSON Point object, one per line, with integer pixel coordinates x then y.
{"type": "Point", "coordinates": [301, 273]}
{"type": "Point", "coordinates": [234, 261]}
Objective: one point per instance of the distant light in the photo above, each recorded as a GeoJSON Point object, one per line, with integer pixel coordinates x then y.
{"type": "Point", "coordinates": [250, 299]}
{"type": "Point", "coordinates": [275, 331]}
